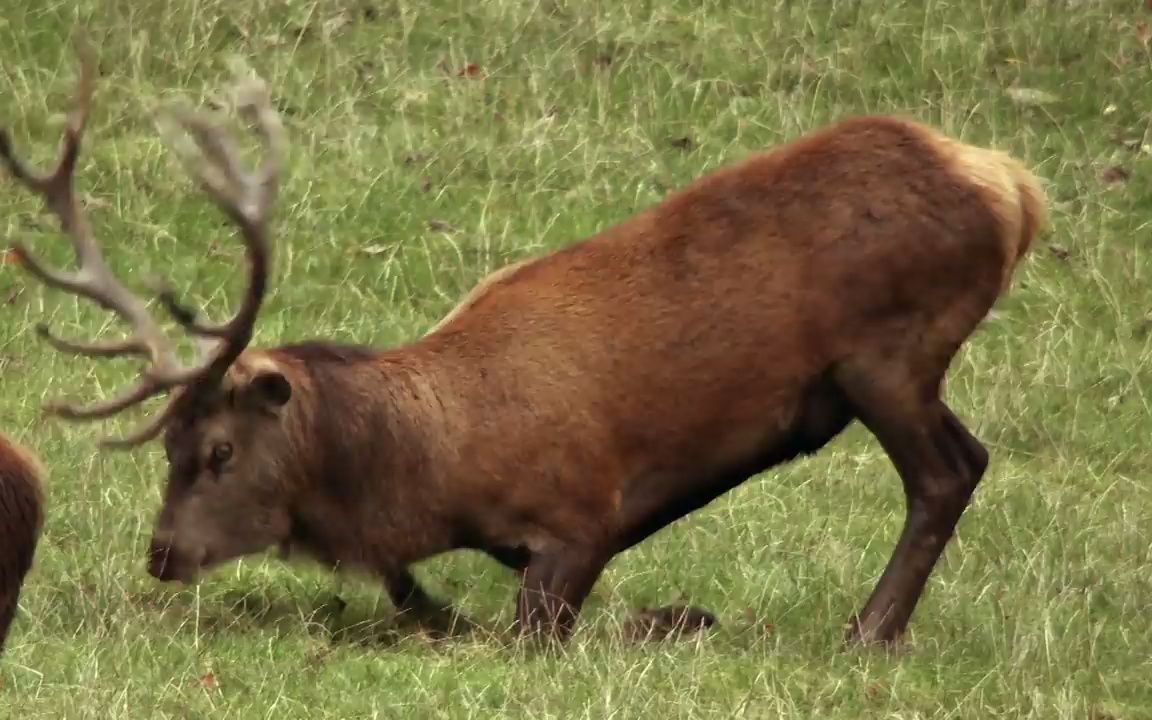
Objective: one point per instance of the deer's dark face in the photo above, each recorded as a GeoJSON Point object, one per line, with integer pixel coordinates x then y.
{"type": "Point", "coordinates": [229, 477]}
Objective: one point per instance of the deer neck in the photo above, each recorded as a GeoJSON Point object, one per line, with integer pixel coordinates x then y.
{"type": "Point", "coordinates": [372, 435]}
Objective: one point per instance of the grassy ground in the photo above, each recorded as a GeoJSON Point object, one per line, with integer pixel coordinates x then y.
{"type": "Point", "coordinates": [413, 175]}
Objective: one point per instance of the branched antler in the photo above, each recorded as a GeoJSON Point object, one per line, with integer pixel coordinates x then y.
{"type": "Point", "coordinates": [245, 197]}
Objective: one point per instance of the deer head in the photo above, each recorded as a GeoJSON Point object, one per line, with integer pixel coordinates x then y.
{"type": "Point", "coordinates": [222, 422]}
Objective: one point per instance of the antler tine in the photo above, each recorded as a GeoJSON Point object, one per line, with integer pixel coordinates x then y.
{"type": "Point", "coordinates": [245, 197]}
{"type": "Point", "coordinates": [112, 348]}
{"type": "Point", "coordinates": [93, 279]}
{"type": "Point", "coordinates": [90, 282]}
{"type": "Point", "coordinates": [186, 316]}
{"type": "Point", "coordinates": [50, 184]}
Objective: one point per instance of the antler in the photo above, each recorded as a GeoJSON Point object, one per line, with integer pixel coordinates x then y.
{"type": "Point", "coordinates": [246, 198]}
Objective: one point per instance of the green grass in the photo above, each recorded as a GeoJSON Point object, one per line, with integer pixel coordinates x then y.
{"type": "Point", "coordinates": [408, 184]}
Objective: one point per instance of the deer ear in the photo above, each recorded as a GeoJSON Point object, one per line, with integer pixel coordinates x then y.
{"type": "Point", "coordinates": [270, 389]}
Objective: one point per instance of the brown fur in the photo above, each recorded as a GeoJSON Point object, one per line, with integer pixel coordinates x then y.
{"type": "Point", "coordinates": [21, 520]}
{"type": "Point", "coordinates": [574, 404]}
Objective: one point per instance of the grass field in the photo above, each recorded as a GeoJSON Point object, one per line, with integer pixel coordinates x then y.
{"type": "Point", "coordinates": [435, 141]}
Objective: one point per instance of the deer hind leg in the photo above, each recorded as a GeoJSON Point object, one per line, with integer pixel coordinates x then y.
{"type": "Point", "coordinates": [940, 464]}
{"type": "Point", "coordinates": [964, 447]}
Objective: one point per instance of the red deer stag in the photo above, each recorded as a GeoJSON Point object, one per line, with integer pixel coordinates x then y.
{"type": "Point", "coordinates": [21, 520]}
{"type": "Point", "coordinates": [577, 403]}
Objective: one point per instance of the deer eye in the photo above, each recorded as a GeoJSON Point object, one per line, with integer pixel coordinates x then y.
{"type": "Point", "coordinates": [221, 453]}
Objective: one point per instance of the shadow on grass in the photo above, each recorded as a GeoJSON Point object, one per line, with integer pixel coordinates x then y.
{"type": "Point", "coordinates": [327, 616]}
{"type": "Point", "coordinates": [320, 614]}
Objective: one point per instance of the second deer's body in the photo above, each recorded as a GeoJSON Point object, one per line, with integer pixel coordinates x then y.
{"type": "Point", "coordinates": [21, 522]}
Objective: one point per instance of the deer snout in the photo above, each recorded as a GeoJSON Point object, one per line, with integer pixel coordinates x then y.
{"type": "Point", "coordinates": [168, 562]}
{"type": "Point", "coordinates": [158, 565]}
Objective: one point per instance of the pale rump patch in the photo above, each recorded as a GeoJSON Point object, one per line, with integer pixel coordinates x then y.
{"type": "Point", "coordinates": [1014, 193]}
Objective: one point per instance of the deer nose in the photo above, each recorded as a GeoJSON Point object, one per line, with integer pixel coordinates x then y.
{"type": "Point", "coordinates": [161, 564]}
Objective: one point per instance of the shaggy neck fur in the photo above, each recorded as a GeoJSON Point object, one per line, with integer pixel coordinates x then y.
{"type": "Point", "coordinates": [369, 488]}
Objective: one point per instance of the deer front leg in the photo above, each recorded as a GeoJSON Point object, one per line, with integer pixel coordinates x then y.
{"type": "Point", "coordinates": [414, 603]}
{"type": "Point", "coordinates": [554, 587]}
